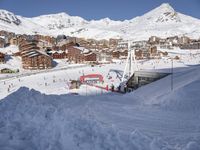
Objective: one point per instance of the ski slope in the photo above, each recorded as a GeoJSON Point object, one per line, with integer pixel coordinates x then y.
{"type": "Point", "coordinates": [31, 120]}
{"type": "Point", "coordinates": [41, 112]}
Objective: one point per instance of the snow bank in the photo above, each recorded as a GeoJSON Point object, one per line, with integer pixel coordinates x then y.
{"type": "Point", "coordinates": [30, 120]}
{"type": "Point", "coordinates": [184, 99]}
{"type": "Point", "coordinates": [185, 95]}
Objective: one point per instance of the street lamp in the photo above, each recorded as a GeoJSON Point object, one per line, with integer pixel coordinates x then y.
{"type": "Point", "coordinates": [172, 73]}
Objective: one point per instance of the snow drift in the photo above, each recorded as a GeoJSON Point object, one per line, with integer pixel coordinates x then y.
{"type": "Point", "coordinates": [31, 120]}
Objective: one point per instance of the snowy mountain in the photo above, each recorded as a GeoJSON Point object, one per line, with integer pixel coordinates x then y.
{"type": "Point", "coordinates": [59, 21]}
{"type": "Point", "coordinates": [9, 17]}
{"type": "Point", "coordinates": [162, 21]}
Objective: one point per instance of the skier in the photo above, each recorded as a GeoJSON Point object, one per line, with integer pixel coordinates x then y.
{"type": "Point", "coordinates": [112, 88]}
{"type": "Point", "coordinates": [119, 88]}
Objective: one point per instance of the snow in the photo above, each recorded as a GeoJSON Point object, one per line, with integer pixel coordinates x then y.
{"type": "Point", "coordinates": [63, 72]}
{"type": "Point", "coordinates": [10, 50]}
{"type": "Point", "coordinates": [162, 21]}
{"type": "Point", "coordinates": [31, 120]}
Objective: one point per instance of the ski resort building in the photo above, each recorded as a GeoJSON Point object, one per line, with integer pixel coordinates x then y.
{"type": "Point", "coordinates": [35, 59]}
{"type": "Point", "coordinates": [25, 45]}
{"type": "Point", "coordinates": [75, 54]}
{"type": "Point", "coordinates": [116, 54]}
{"type": "Point", "coordinates": [90, 57]}
{"type": "Point", "coordinates": [14, 41]}
{"type": "Point", "coordinates": [141, 54]}
{"type": "Point", "coordinates": [32, 56]}
{"type": "Point", "coordinates": [59, 54]}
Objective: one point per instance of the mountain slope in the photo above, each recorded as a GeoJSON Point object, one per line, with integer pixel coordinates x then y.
{"type": "Point", "coordinates": [162, 21]}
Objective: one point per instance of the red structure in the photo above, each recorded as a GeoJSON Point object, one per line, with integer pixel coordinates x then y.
{"type": "Point", "coordinates": [91, 78]}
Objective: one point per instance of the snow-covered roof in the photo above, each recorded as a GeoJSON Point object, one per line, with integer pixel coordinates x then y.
{"type": "Point", "coordinates": [33, 52]}
{"type": "Point", "coordinates": [82, 49]}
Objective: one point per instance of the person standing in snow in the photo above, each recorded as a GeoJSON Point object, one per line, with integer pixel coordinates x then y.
{"type": "Point", "coordinates": [112, 88]}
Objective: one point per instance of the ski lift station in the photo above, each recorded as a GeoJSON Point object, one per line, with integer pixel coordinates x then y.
{"type": "Point", "coordinates": [133, 76]}
{"type": "Point", "coordinates": [140, 78]}
{"type": "Point", "coordinates": [124, 81]}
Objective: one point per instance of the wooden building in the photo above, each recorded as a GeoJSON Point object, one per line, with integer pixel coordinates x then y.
{"type": "Point", "coordinates": [35, 59]}
{"type": "Point", "coordinates": [75, 54]}
{"type": "Point", "coordinates": [142, 54]}
{"type": "Point", "coordinates": [153, 52]}
{"type": "Point", "coordinates": [90, 57]}
{"type": "Point", "coordinates": [58, 54]}
{"type": "Point", "coordinates": [154, 40]}
{"type": "Point", "coordinates": [192, 45]}
{"type": "Point", "coordinates": [184, 40]}
{"type": "Point", "coordinates": [14, 41]}
{"type": "Point", "coordinates": [25, 45]}
{"type": "Point", "coordinates": [116, 54]}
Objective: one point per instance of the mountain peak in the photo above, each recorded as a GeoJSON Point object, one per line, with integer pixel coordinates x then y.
{"type": "Point", "coordinates": [9, 17]}
{"type": "Point", "coordinates": [165, 8]}
{"type": "Point", "coordinates": [163, 13]}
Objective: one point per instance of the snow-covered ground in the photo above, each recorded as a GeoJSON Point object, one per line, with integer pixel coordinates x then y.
{"type": "Point", "coordinates": [57, 80]}
{"type": "Point", "coordinates": [31, 120]}
{"type": "Point", "coordinates": [154, 117]}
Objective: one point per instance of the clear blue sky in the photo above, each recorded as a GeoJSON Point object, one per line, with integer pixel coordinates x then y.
{"type": "Point", "coordinates": [97, 9]}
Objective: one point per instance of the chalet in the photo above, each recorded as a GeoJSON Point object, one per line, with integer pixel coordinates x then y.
{"type": "Point", "coordinates": [116, 54]}
{"type": "Point", "coordinates": [153, 40]}
{"type": "Point", "coordinates": [2, 58]}
{"type": "Point", "coordinates": [90, 56]}
{"type": "Point", "coordinates": [103, 43]}
{"type": "Point", "coordinates": [14, 41]}
{"type": "Point", "coordinates": [65, 46]}
{"type": "Point", "coordinates": [59, 54]}
{"type": "Point", "coordinates": [113, 42]}
{"type": "Point", "coordinates": [35, 59]}
{"type": "Point", "coordinates": [124, 53]}
{"type": "Point", "coordinates": [153, 52]}
{"type": "Point", "coordinates": [141, 53]}
{"type": "Point", "coordinates": [46, 39]}
{"type": "Point", "coordinates": [25, 45]}
{"type": "Point", "coordinates": [184, 40]}
{"type": "Point", "coordinates": [75, 54]}
{"type": "Point", "coordinates": [191, 45]}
